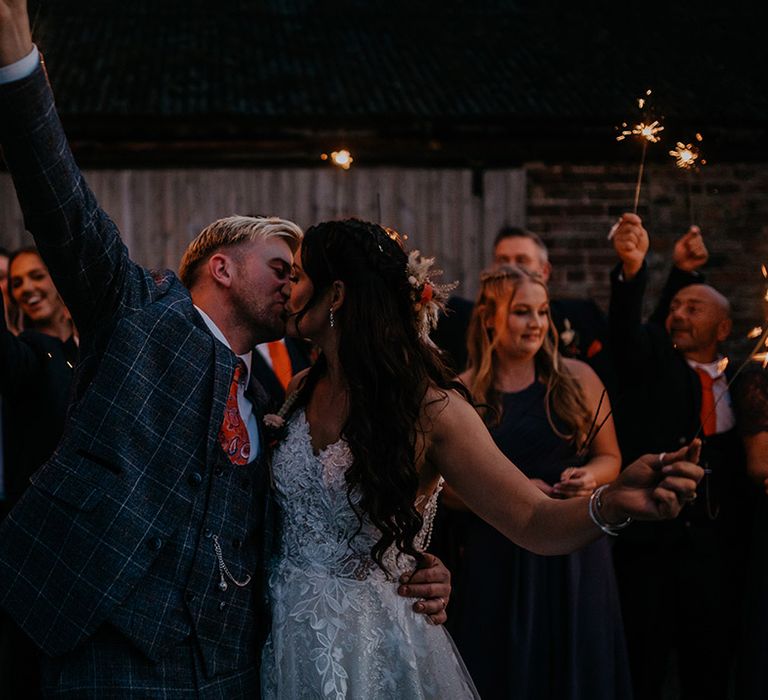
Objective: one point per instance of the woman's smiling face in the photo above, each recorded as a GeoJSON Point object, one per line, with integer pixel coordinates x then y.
{"type": "Point", "coordinates": [32, 288]}
{"type": "Point", "coordinates": [522, 326]}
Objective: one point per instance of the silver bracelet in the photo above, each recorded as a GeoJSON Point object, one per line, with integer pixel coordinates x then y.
{"type": "Point", "coordinates": [595, 505]}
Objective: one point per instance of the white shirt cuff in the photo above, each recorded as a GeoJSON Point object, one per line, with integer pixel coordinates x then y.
{"type": "Point", "coordinates": [22, 68]}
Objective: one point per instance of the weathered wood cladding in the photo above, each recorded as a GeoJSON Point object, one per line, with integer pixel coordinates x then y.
{"type": "Point", "coordinates": [450, 213]}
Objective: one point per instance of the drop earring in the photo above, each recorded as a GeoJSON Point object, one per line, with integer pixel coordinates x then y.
{"type": "Point", "coordinates": [331, 319]}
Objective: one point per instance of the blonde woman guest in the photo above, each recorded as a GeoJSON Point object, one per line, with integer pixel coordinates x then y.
{"type": "Point", "coordinates": [530, 626]}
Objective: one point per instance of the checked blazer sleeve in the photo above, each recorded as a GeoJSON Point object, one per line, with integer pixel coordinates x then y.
{"type": "Point", "coordinates": [148, 398]}
{"type": "Point", "coordinates": [78, 241]}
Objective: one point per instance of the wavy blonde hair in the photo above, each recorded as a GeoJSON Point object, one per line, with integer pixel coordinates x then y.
{"type": "Point", "coordinates": [230, 231]}
{"type": "Point", "coordinates": [564, 397]}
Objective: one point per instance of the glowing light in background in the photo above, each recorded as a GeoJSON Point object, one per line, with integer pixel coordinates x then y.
{"type": "Point", "coordinates": [341, 158]}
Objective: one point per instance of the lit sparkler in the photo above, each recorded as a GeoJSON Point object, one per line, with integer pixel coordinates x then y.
{"type": "Point", "coordinates": [685, 155]}
{"type": "Point", "coordinates": [647, 131]}
{"type": "Point", "coordinates": [342, 158]}
{"type": "Point", "coordinates": [688, 158]}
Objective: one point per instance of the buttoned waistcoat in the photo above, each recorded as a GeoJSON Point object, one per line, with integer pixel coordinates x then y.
{"type": "Point", "coordinates": [134, 472]}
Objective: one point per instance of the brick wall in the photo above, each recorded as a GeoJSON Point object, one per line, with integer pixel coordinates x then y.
{"type": "Point", "coordinates": [573, 207]}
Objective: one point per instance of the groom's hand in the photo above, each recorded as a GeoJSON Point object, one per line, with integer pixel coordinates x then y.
{"type": "Point", "coordinates": [15, 36]}
{"type": "Point", "coordinates": [431, 583]}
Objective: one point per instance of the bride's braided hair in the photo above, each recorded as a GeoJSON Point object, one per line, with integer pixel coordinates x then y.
{"type": "Point", "coordinates": [386, 364]}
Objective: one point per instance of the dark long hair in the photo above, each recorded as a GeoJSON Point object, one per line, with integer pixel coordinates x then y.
{"type": "Point", "coordinates": [20, 319]}
{"type": "Point", "coordinates": [387, 366]}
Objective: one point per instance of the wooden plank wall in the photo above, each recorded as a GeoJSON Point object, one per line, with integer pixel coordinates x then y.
{"type": "Point", "coordinates": [160, 211]}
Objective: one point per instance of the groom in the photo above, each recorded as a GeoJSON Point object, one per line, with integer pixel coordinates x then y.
{"type": "Point", "coordinates": [134, 561]}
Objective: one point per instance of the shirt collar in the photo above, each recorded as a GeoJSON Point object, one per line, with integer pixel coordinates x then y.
{"type": "Point", "coordinates": [714, 369]}
{"type": "Point", "coordinates": [247, 358]}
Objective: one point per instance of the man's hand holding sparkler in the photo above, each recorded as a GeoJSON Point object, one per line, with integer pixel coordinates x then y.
{"type": "Point", "coordinates": [630, 240]}
{"type": "Point", "coordinates": [690, 253]}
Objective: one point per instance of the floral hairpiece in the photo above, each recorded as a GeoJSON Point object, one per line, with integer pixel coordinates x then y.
{"type": "Point", "coordinates": [428, 297]}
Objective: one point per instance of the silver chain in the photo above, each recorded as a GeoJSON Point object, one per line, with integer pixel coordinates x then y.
{"type": "Point", "coordinates": [224, 571]}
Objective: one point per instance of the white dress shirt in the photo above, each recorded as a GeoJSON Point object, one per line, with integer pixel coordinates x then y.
{"type": "Point", "coordinates": [22, 68]}
{"type": "Point", "coordinates": [243, 404]}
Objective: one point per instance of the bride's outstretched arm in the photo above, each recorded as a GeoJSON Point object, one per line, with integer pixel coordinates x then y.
{"type": "Point", "coordinates": [460, 447]}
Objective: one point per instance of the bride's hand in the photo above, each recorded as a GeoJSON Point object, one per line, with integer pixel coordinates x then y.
{"type": "Point", "coordinates": [654, 487]}
{"type": "Point", "coordinates": [431, 583]}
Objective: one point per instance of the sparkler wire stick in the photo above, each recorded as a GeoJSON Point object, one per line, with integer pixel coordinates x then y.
{"type": "Point", "coordinates": [640, 175]}
{"type": "Point", "coordinates": [689, 190]}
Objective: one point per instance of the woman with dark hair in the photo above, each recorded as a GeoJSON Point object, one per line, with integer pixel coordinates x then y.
{"type": "Point", "coordinates": [35, 377]}
{"type": "Point", "coordinates": [371, 430]}
{"type": "Point", "coordinates": [552, 625]}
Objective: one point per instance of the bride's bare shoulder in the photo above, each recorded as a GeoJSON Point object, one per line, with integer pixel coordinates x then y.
{"type": "Point", "coordinates": [444, 407]}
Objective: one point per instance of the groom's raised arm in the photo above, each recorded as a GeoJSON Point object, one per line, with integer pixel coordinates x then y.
{"type": "Point", "coordinates": [78, 241]}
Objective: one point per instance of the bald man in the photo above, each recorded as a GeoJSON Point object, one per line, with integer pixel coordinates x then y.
{"type": "Point", "coordinates": [673, 385]}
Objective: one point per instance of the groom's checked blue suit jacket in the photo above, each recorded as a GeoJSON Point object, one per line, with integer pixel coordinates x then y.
{"type": "Point", "coordinates": [119, 525]}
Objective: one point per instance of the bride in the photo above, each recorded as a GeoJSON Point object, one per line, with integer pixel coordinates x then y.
{"type": "Point", "coordinates": [374, 427]}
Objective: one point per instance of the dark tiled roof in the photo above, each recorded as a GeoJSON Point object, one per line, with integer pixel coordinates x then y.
{"type": "Point", "coordinates": [299, 62]}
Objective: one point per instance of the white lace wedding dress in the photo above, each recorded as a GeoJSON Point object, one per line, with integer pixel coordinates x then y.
{"type": "Point", "coordinates": [339, 629]}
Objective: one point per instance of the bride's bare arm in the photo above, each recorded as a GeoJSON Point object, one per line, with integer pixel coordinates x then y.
{"type": "Point", "coordinates": [461, 449]}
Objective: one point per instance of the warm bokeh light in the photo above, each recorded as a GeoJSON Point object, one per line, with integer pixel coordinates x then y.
{"type": "Point", "coordinates": [341, 158]}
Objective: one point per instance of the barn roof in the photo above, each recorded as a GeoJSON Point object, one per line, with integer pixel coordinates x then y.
{"type": "Point", "coordinates": [441, 72]}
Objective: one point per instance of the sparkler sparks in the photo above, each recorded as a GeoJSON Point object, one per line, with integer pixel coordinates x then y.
{"type": "Point", "coordinates": [646, 131]}
{"type": "Point", "coordinates": [688, 156]}
{"type": "Point", "coordinates": [759, 332]}
{"type": "Point", "coordinates": [342, 158]}
{"type": "Point", "coordinates": [688, 159]}
{"type": "Point", "coordinates": [685, 155]}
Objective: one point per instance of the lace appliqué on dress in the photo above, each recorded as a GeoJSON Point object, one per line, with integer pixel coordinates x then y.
{"type": "Point", "coordinates": [339, 629]}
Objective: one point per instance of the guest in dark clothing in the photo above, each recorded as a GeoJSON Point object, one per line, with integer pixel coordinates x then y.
{"type": "Point", "coordinates": [35, 376]}
{"type": "Point", "coordinates": [551, 626]}
{"type": "Point", "coordinates": [751, 402]}
{"type": "Point", "coordinates": [674, 387]}
{"type": "Point", "coordinates": [35, 372]}
{"type": "Point", "coordinates": [583, 331]}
